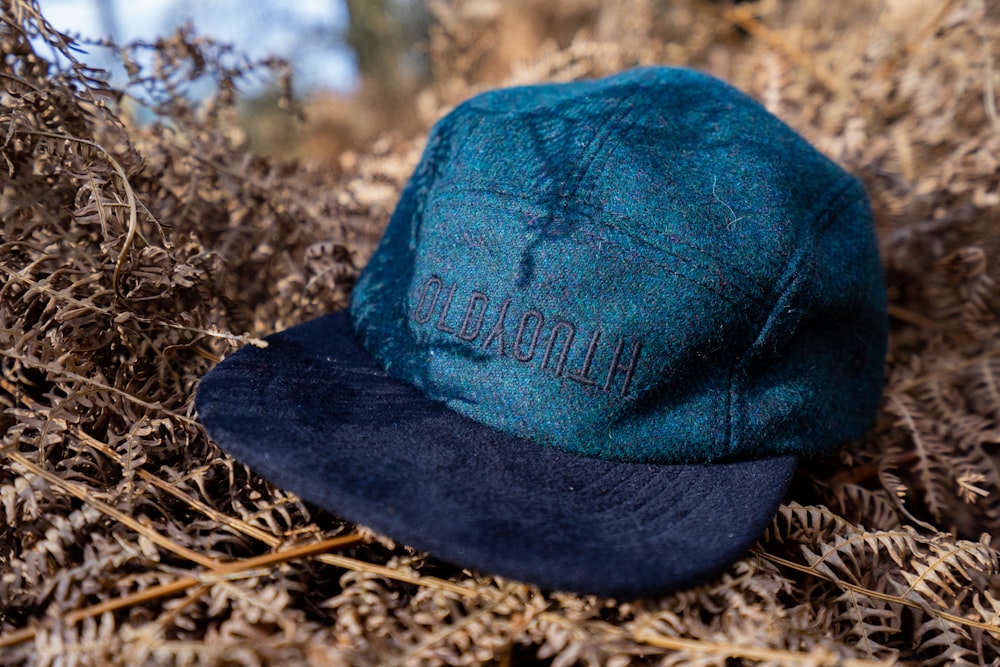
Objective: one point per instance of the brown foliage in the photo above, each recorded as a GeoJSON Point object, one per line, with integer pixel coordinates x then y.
{"type": "Point", "coordinates": [132, 257]}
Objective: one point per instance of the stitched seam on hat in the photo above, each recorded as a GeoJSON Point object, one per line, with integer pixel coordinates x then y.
{"type": "Point", "coordinates": [439, 143]}
{"type": "Point", "coordinates": [631, 253]}
{"type": "Point", "coordinates": [594, 146]}
{"type": "Point", "coordinates": [595, 208]}
{"type": "Point", "coordinates": [696, 264]}
{"type": "Point", "coordinates": [832, 202]}
{"type": "Point", "coordinates": [717, 260]}
{"type": "Point", "coordinates": [601, 139]}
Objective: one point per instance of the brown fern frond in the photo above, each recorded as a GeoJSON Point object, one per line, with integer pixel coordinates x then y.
{"type": "Point", "coordinates": [940, 572]}
{"type": "Point", "coordinates": [941, 643]}
{"type": "Point", "coordinates": [960, 289]}
{"type": "Point", "coordinates": [875, 508]}
{"type": "Point", "coordinates": [893, 574]}
{"type": "Point", "coordinates": [872, 623]}
{"type": "Point", "coordinates": [983, 387]}
{"type": "Point", "coordinates": [931, 465]}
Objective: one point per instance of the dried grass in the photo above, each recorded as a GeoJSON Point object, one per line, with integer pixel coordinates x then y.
{"type": "Point", "coordinates": [133, 257]}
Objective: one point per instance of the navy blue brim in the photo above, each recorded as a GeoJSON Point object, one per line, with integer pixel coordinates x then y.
{"type": "Point", "coordinates": [314, 414]}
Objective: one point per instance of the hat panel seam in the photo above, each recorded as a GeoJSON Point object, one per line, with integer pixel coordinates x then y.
{"type": "Point", "coordinates": [623, 134]}
{"type": "Point", "coordinates": [366, 318]}
{"type": "Point", "coordinates": [436, 149]}
{"type": "Point", "coordinates": [577, 170]}
{"type": "Point", "coordinates": [630, 253]}
{"type": "Point", "coordinates": [437, 145]}
{"type": "Point", "coordinates": [834, 200]}
{"type": "Point", "coordinates": [716, 259]}
{"type": "Point", "coordinates": [601, 139]}
{"type": "Point", "coordinates": [717, 262]}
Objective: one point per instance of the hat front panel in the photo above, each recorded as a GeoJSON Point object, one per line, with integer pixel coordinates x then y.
{"type": "Point", "coordinates": [557, 328]}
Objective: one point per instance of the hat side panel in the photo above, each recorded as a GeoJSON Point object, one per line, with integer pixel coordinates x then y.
{"type": "Point", "coordinates": [378, 300]}
{"type": "Point", "coordinates": [814, 377]}
{"type": "Point", "coordinates": [787, 235]}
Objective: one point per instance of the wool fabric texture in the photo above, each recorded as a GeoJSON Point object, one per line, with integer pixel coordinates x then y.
{"type": "Point", "coordinates": [644, 268]}
{"type": "Point", "coordinates": [621, 307]}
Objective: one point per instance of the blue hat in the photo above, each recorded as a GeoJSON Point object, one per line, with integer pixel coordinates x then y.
{"type": "Point", "coordinates": [605, 321]}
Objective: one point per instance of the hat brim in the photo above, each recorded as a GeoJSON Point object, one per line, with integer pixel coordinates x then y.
{"type": "Point", "coordinates": [315, 414]}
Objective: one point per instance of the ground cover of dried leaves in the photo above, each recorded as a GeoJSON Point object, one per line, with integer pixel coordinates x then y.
{"type": "Point", "coordinates": [134, 256]}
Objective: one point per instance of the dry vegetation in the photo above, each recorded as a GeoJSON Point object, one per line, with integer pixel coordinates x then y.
{"type": "Point", "coordinates": [133, 257]}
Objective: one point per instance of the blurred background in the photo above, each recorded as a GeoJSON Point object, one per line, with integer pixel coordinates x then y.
{"type": "Point", "coordinates": [358, 65]}
{"type": "Point", "coordinates": [354, 62]}
{"type": "Point", "coordinates": [314, 35]}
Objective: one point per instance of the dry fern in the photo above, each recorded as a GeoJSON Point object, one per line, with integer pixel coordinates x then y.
{"type": "Point", "coordinates": [133, 257]}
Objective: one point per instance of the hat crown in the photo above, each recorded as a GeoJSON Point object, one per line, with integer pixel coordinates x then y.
{"type": "Point", "coordinates": [648, 267]}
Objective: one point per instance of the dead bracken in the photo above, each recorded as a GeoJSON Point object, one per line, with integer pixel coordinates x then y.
{"type": "Point", "coordinates": [134, 256]}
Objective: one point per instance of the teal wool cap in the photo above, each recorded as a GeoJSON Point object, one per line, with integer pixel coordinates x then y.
{"type": "Point", "coordinates": [604, 322]}
{"type": "Point", "coordinates": [649, 267]}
